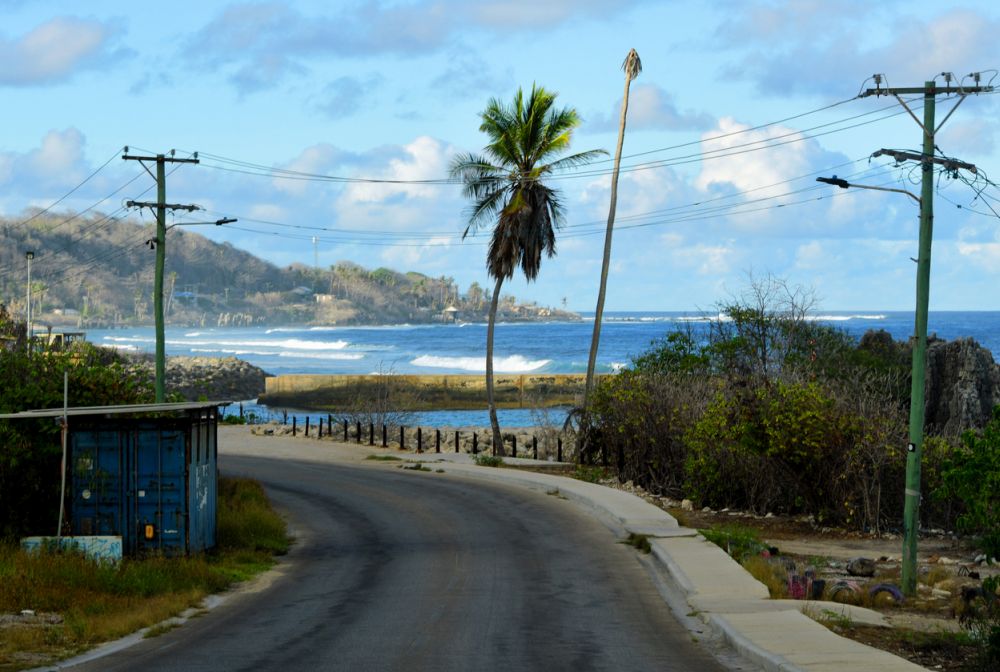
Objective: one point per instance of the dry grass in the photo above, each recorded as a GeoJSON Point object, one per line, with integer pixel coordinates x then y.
{"type": "Point", "coordinates": [87, 602]}
{"type": "Point", "coordinates": [771, 574]}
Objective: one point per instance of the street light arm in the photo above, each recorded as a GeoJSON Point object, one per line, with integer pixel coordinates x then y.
{"type": "Point", "coordinates": [844, 184]}
{"type": "Point", "coordinates": [218, 222]}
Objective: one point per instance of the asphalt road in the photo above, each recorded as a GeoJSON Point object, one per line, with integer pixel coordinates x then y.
{"type": "Point", "coordinates": [394, 573]}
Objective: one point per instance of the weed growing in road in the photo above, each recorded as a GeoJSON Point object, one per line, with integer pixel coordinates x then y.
{"type": "Point", "coordinates": [831, 619]}
{"type": "Point", "coordinates": [590, 474]}
{"type": "Point", "coordinates": [555, 493]}
{"type": "Point", "coordinates": [160, 629]}
{"type": "Point", "coordinates": [383, 458]}
{"type": "Point", "coordinates": [738, 541]}
{"type": "Point", "coordinates": [416, 466]}
{"type": "Point", "coordinates": [773, 575]}
{"type": "Point", "coordinates": [484, 460]}
{"type": "Point", "coordinates": [638, 541]}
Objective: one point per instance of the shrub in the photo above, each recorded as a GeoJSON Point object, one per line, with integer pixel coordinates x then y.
{"type": "Point", "coordinates": [972, 476]}
{"type": "Point", "coordinates": [773, 447]}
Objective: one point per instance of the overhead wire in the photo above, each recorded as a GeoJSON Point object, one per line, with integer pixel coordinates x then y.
{"type": "Point", "coordinates": [68, 193]}
{"type": "Point", "coordinates": [261, 170]}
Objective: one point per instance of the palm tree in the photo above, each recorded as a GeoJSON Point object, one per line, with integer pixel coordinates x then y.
{"type": "Point", "coordinates": [507, 193]}
{"type": "Point", "coordinates": [632, 67]}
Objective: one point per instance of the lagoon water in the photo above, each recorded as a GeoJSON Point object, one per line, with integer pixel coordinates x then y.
{"type": "Point", "coordinates": [545, 347]}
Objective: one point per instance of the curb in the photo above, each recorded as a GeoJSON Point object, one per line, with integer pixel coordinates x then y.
{"type": "Point", "coordinates": [725, 596]}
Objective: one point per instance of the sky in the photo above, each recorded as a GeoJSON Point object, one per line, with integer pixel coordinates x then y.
{"type": "Point", "coordinates": [739, 107]}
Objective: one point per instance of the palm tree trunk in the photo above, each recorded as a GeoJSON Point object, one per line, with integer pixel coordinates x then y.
{"type": "Point", "coordinates": [632, 66]}
{"type": "Point", "coordinates": [494, 423]}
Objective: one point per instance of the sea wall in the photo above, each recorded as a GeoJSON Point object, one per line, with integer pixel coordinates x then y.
{"type": "Point", "coordinates": [418, 393]}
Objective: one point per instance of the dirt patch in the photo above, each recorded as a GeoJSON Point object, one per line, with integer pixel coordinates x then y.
{"type": "Point", "coordinates": [925, 628]}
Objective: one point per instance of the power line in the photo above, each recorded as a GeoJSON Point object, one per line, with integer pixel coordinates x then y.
{"type": "Point", "coordinates": [70, 192]}
{"type": "Point", "coordinates": [261, 170]}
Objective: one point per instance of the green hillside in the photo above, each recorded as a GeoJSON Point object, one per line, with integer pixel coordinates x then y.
{"type": "Point", "coordinates": [95, 271]}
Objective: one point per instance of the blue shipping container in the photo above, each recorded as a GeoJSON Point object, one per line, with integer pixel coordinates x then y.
{"type": "Point", "coordinates": [153, 481]}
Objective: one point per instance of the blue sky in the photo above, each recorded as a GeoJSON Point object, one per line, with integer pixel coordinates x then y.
{"type": "Point", "coordinates": [713, 190]}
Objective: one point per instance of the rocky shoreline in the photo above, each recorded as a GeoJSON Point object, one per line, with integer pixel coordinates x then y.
{"type": "Point", "coordinates": [208, 378]}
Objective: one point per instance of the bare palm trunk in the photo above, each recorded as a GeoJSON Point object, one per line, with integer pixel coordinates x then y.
{"type": "Point", "coordinates": [494, 423]}
{"type": "Point", "coordinates": [632, 67]}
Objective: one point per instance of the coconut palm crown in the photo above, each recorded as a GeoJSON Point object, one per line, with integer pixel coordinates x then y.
{"type": "Point", "coordinates": [505, 182]}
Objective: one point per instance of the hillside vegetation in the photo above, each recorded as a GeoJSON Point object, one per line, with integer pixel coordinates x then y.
{"type": "Point", "coordinates": [91, 270]}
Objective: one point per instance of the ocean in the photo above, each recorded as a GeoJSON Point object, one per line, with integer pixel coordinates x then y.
{"type": "Point", "coordinates": [541, 347]}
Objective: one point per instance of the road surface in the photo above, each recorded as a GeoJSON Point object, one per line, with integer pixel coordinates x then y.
{"type": "Point", "coordinates": [393, 572]}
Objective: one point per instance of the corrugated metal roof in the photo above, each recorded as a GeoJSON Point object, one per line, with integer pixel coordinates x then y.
{"type": "Point", "coordinates": [113, 410]}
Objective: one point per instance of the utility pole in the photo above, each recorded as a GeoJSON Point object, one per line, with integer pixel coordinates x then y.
{"type": "Point", "coordinates": [159, 244]}
{"type": "Point", "coordinates": [29, 255]}
{"type": "Point", "coordinates": [930, 90]}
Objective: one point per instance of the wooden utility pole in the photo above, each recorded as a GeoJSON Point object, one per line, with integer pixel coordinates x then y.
{"type": "Point", "coordinates": [160, 207]}
{"type": "Point", "coordinates": [930, 91]}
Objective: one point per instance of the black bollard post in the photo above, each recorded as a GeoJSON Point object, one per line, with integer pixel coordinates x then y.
{"type": "Point", "coordinates": [345, 431]}
{"type": "Point", "coordinates": [385, 444]}
{"type": "Point", "coordinates": [559, 449]}
{"type": "Point", "coordinates": [241, 410]}
{"type": "Point", "coordinates": [402, 438]}
{"type": "Point", "coordinates": [293, 425]}
{"type": "Point", "coordinates": [357, 431]}
{"type": "Point", "coordinates": [321, 426]}
{"type": "Point", "coordinates": [371, 433]}
{"type": "Point", "coordinates": [329, 425]}
{"type": "Point", "coordinates": [456, 440]}
{"type": "Point", "coordinates": [534, 447]}
{"type": "Point", "coordinates": [513, 445]}
{"type": "Point", "coordinates": [284, 417]}
{"type": "Point", "coordinates": [307, 425]}
{"type": "Point", "coordinates": [475, 442]}
{"type": "Point", "coordinates": [437, 440]}
{"type": "Point", "coordinates": [420, 440]}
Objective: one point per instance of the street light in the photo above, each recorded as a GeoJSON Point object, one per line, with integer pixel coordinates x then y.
{"type": "Point", "coordinates": [911, 491]}
{"type": "Point", "coordinates": [29, 255]}
{"type": "Point", "coordinates": [844, 184]}
{"type": "Point", "coordinates": [159, 244]}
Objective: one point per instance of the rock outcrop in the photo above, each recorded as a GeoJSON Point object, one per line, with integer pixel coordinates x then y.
{"type": "Point", "coordinates": [211, 378]}
{"type": "Point", "coordinates": [963, 386]}
{"type": "Point", "coordinates": [962, 382]}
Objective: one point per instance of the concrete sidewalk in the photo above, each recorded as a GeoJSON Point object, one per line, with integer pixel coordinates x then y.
{"type": "Point", "coordinates": [774, 634]}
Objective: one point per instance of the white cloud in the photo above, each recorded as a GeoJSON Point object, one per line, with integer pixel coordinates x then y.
{"type": "Point", "coordinates": [650, 107]}
{"type": "Point", "coordinates": [56, 50]}
{"type": "Point", "coordinates": [747, 170]}
{"type": "Point", "coordinates": [423, 159]}
{"type": "Point", "coordinates": [317, 159]}
{"type": "Point", "coordinates": [59, 153]}
{"type": "Point", "coordinates": [984, 255]}
{"type": "Point", "coordinates": [789, 46]}
{"type": "Point", "coordinates": [810, 256]}
{"type": "Point", "coordinates": [269, 212]}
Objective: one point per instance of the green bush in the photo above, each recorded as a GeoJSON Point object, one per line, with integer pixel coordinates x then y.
{"type": "Point", "coordinates": [972, 476]}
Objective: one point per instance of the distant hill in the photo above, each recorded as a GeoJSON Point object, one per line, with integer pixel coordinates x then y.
{"type": "Point", "coordinates": [93, 271]}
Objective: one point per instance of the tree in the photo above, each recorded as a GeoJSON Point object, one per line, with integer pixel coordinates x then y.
{"type": "Point", "coordinates": [506, 189]}
{"type": "Point", "coordinates": [632, 67]}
